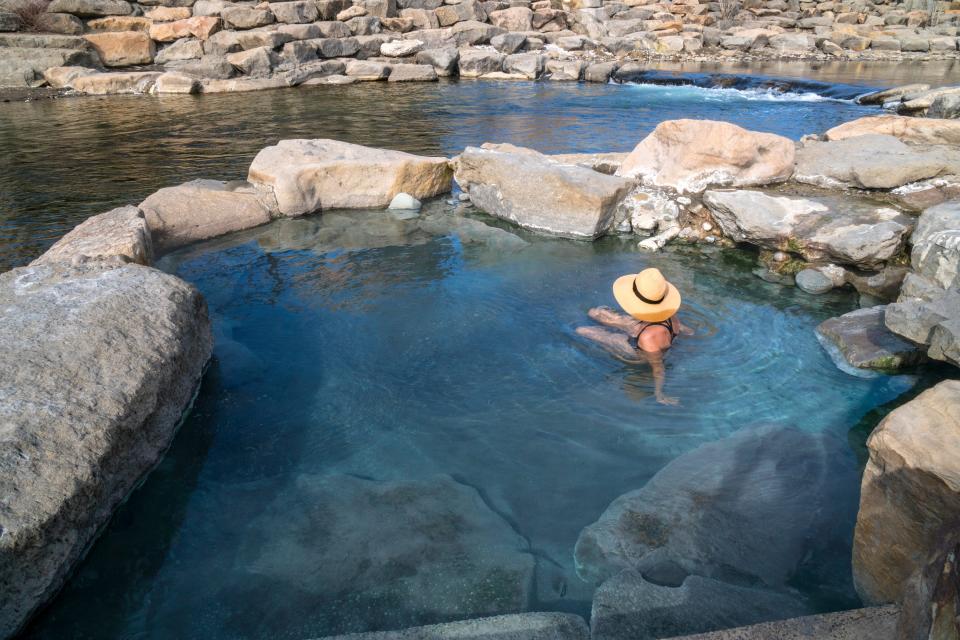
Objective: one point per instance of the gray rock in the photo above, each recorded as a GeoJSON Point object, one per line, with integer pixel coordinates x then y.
{"type": "Point", "coordinates": [472, 32]}
{"type": "Point", "coordinates": [936, 245]}
{"type": "Point", "coordinates": [863, 341]}
{"type": "Point", "coordinates": [528, 65]}
{"type": "Point", "coordinates": [883, 285]}
{"type": "Point", "coordinates": [451, 14]}
{"type": "Point", "coordinates": [209, 66]}
{"type": "Point", "coordinates": [894, 94]}
{"type": "Point", "coordinates": [242, 17]}
{"type": "Point", "coordinates": [627, 606]}
{"type": "Point", "coordinates": [813, 281]}
{"type": "Point", "coordinates": [303, 74]}
{"type": "Point", "coordinates": [73, 453]}
{"type": "Point", "coordinates": [508, 43]}
{"type": "Point", "coordinates": [43, 41]}
{"type": "Point", "coordinates": [91, 8]}
{"type": "Point", "coordinates": [858, 624]}
{"type": "Point", "coordinates": [520, 626]}
{"type": "Point", "coordinates": [446, 554]}
{"type": "Point", "coordinates": [202, 209]}
{"type": "Point", "coordinates": [412, 73]}
{"type": "Point", "coordinates": [599, 71]}
{"type": "Point", "coordinates": [945, 106]}
{"type": "Point", "coordinates": [336, 47]}
{"type": "Point", "coordinates": [443, 60]}
{"type": "Point", "coordinates": [368, 70]}
{"type": "Point", "coordinates": [221, 43]}
{"type": "Point", "coordinates": [183, 49]}
{"type": "Point", "coordinates": [330, 8]}
{"type": "Point", "coordinates": [756, 509]}
{"type": "Point", "coordinates": [296, 12]}
{"type": "Point", "coordinates": [122, 233]}
{"type": "Point", "coordinates": [63, 23]}
{"type": "Point", "coordinates": [872, 162]}
{"type": "Point", "coordinates": [262, 37]}
{"type": "Point", "coordinates": [24, 67]}
{"type": "Point", "coordinates": [364, 25]}
{"type": "Point", "coordinates": [929, 322]}
{"type": "Point", "coordinates": [257, 62]}
{"type": "Point", "coordinates": [513, 183]}
{"type": "Point", "coordinates": [9, 21]}
{"type": "Point", "coordinates": [565, 70]}
{"type": "Point", "coordinates": [476, 62]}
{"type": "Point", "coordinates": [843, 229]}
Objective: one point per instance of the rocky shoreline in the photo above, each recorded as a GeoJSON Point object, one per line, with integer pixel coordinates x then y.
{"type": "Point", "coordinates": [837, 209]}
{"type": "Point", "coordinates": [103, 47]}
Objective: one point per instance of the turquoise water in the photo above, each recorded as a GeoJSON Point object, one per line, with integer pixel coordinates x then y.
{"type": "Point", "coordinates": [400, 426]}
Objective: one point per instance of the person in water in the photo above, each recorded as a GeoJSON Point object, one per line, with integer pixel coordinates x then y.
{"type": "Point", "coordinates": [648, 330]}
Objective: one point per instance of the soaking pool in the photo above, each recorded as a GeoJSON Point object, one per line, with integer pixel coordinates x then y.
{"type": "Point", "coordinates": [400, 424]}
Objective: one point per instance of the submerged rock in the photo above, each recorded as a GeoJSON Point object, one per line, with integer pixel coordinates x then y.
{"type": "Point", "coordinates": [445, 554]}
{"type": "Point", "coordinates": [910, 494]}
{"type": "Point", "coordinates": [629, 607]}
{"type": "Point", "coordinates": [872, 161]}
{"type": "Point", "coordinates": [313, 175]}
{"type": "Point", "coordinates": [758, 508]}
{"type": "Point", "coordinates": [692, 155]}
{"type": "Point", "coordinates": [202, 209]}
{"type": "Point", "coordinates": [535, 192]}
{"type": "Point", "coordinates": [847, 231]}
{"type": "Point", "coordinates": [97, 364]}
{"type": "Point", "coordinates": [520, 626]}
{"type": "Point", "coordinates": [863, 340]}
{"type": "Point", "coordinates": [122, 232]}
{"type": "Point", "coordinates": [813, 281]}
{"type": "Point", "coordinates": [404, 201]}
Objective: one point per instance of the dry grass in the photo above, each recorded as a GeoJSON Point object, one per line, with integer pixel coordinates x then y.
{"type": "Point", "coordinates": [30, 12]}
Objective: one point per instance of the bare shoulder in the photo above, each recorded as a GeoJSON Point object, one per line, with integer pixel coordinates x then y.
{"type": "Point", "coordinates": [654, 338]}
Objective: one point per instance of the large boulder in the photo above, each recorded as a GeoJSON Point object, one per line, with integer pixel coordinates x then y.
{"type": "Point", "coordinates": [539, 193]}
{"type": "Point", "coordinates": [904, 128]}
{"type": "Point", "coordinates": [91, 8]}
{"type": "Point", "coordinates": [863, 341]}
{"type": "Point", "coordinates": [98, 362]}
{"type": "Point", "coordinates": [934, 321]}
{"type": "Point", "coordinates": [203, 209]}
{"type": "Point", "coordinates": [872, 161]}
{"type": "Point", "coordinates": [841, 229]}
{"type": "Point", "coordinates": [102, 84]}
{"type": "Point", "coordinates": [936, 245]}
{"type": "Point", "coordinates": [313, 175]}
{"type": "Point", "coordinates": [121, 232]}
{"type": "Point", "coordinates": [123, 48]}
{"type": "Point", "coordinates": [629, 607]}
{"type": "Point", "coordinates": [24, 67]}
{"type": "Point", "coordinates": [341, 547]}
{"type": "Point", "coordinates": [758, 508]}
{"type": "Point", "coordinates": [910, 493]}
{"type": "Point", "coordinates": [691, 155]}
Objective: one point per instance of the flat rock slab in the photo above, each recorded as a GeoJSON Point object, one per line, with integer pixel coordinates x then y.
{"type": "Point", "coordinates": [344, 546]}
{"type": "Point", "coordinates": [755, 508]}
{"type": "Point", "coordinates": [313, 175]}
{"type": "Point", "coordinates": [692, 155]}
{"type": "Point", "coordinates": [904, 128]}
{"type": "Point", "coordinates": [97, 364]}
{"type": "Point", "coordinates": [910, 492]}
{"type": "Point", "coordinates": [202, 209]}
{"type": "Point", "coordinates": [122, 232]}
{"type": "Point", "coordinates": [862, 340]}
{"type": "Point", "coordinates": [627, 607]}
{"type": "Point", "coordinates": [842, 229]}
{"type": "Point", "coordinates": [872, 161]}
{"type": "Point", "coordinates": [872, 623]}
{"type": "Point", "coordinates": [536, 192]}
{"type": "Point", "coordinates": [23, 67]}
{"type": "Point", "coordinates": [521, 626]}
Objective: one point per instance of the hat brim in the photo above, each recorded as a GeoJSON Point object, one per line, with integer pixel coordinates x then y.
{"type": "Point", "coordinates": [640, 310]}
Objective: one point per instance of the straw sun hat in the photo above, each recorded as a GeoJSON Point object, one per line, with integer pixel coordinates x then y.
{"type": "Point", "coordinates": [647, 295]}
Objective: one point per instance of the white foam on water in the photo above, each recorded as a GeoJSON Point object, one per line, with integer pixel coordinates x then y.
{"type": "Point", "coordinates": [718, 94]}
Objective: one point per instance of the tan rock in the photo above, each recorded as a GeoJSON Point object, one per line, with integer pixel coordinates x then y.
{"type": "Point", "coordinates": [906, 128]}
{"type": "Point", "coordinates": [202, 209]}
{"type": "Point", "coordinates": [172, 82]}
{"type": "Point", "coordinates": [240, 85]}
{"type": "Point", "coordinates": [123, 48]}
{"type": "Point", "coordinates": [61, 77]}
{"type": "Point", "coordinates": [168, 14]}
{"type": "Point", "coordinates": [691, 155]}
{"type": "Point", "coordinates": [119, 23]}
{"type": "Point", "coordinates": [536, 192]}
{"type": "Point", "coordinates": [201, 27]}
{"type": "Point", "coordinates": [102, 84]}
{"type": "Point", "coordinates": [315, 175]}
{"type": "Point", "coordinates": [910, 493]}
{"type": "Point", "coordinates": [121, 232]}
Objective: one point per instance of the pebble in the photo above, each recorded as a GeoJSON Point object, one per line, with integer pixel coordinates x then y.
{"type": "Point", "coordinates": [405, 201]}
{"type": "Point", "coordinates": [706, 226]}
{"type": "Point", "coordinates": [780, 256]}
{"type": "Point", "coordinates": [813, 281]}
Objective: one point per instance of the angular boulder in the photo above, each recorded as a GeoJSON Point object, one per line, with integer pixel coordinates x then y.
{"type": "Point", "coordinates": [123, 48]}
{"type": "Point", "coordinates": [102, 84]}
{"type": "Point", "coordinates": [936, 245]}
{"type": "Point", "coordinates": [202, 209]}
{"type": "Point", "coordinates": [24, 67]}
{"type": "Point", "coordinates": [538, 193]}
{"type": "Point", "coordinates": [122, 232]}
{"type": "Point", "coordinates": [934, 322]}
{"type": "Point", "coordinates": [910, 493]}
{"type": "Point", "coordinates": [91, 8]}
{"type": "Point", "coordinates": [691, 155]}
{"type": "Point", "coordinates": [758, 508]}
{"type": "Point", "coordinates": [627, 606]}
{"type": "Point", "coordinates": [872, 161]}
{"type": "Point", "coordinates": [904, 128]}
{"type": "Point", "coordinates": [844, 230]}
{"type": "Point", "coordinates": [314, 175]}
{"type": "Point", "coordinates": [97, 364]}
{"type": "Point", "coordinates": [862, 340]}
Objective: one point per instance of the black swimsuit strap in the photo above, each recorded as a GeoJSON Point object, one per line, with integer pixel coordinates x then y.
{"type": "Point", "coordinates": [668, 324]}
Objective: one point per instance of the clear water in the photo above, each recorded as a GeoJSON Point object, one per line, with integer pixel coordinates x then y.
{"type": "Point", "coordinates": [359, 350]}
{"type": "Point", "coordinates": [387, 350]}
{"type": "Point", "coordinates": [65, 160]}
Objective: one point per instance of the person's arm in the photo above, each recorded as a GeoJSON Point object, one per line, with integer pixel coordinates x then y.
{"type": "Point", "coordinates": [655, 358]}
{"type": "Point", "coordinates": [683, 329]}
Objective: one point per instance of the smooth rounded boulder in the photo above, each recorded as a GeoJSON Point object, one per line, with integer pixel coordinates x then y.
{"type": "Point", "coordinates": [904, 128]}
{"type": "Point", "coordinates": [692, 155]}
{"type": "Point", "coordinates": [314, 175]}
